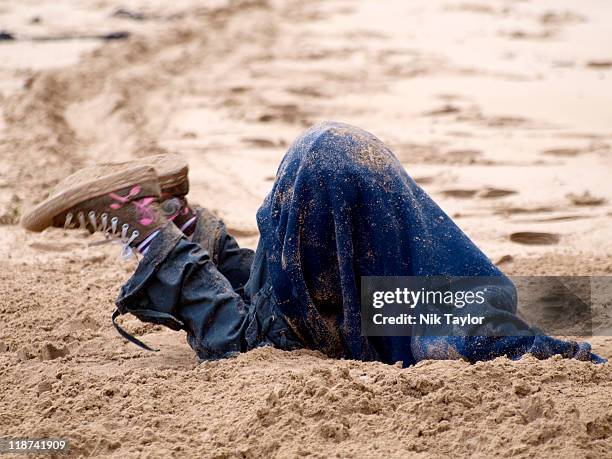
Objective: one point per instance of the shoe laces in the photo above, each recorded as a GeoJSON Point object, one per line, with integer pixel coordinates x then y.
{"type": "Point", "coordinates": [146, 315]}
{"type": "Point", "coordinates": [109, 228]}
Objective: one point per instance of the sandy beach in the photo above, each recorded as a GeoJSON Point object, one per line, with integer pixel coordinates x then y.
{"type": "Point", "coordinates": [501, 111]}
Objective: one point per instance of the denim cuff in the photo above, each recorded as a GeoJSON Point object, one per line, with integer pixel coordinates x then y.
{"type": "Point", "coordinates": [161, 246]}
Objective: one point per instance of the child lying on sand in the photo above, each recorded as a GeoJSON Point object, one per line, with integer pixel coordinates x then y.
{"type": "Point", "coordinates": [342, 207]}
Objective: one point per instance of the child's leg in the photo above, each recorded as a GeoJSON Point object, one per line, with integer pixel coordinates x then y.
{"type": "Point", "coordinates": [233, 261]}
{"type": "Point", "coordinates": [176, 284]}
{"type": "Point", "coordinates": [203, 227]}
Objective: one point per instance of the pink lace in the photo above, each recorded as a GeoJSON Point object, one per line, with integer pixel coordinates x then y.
{"type": "Point", "coordinates": [146, 216]}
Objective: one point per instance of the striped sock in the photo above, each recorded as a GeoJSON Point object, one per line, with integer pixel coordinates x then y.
{"type": "Point", "coordinates": [143, 247]}
{"type": "Point", "coordinates": [189, 226]}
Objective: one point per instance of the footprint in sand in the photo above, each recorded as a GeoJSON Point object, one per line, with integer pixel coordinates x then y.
{"type": "Point", "coordinates": [487, 193]}
{"type": "Point", "coordinates": [529, 35]}
{"type": "Point", "coordinates": [444, 110]}
{"type": "Point", "coordinates": [306, 91]}
{"type": "Point", "coordinates": [506, 211]}
{"type": "Point", "coordinates": [239, 89]}
{"type": "Point", "coordinates": [123, 13]}
{"type": "Point", "coordinates": [559, 218]}
{"type": "Point", "coordinates": [260, 142]}
{"type": "Point", "coordinates": [490, 193]}
{"type": "Point", "coordinates": [558, 18]}
{"type": "Point", "coordinates": [599, 64]}
{"type": "Point", "coordinates": [535, 238]}
{"type": "Point", "coordinates": [458, 193]}
{"type": "Point", "coordinates": [563, 152]}
{"type": "Point", "coordinates": [429, 154]}
{"type": "Point", "coordinates": [505, 121]}
{"type": "Point", "coordinates": [424, 180]}
{"type": "Point", "coordinates": [585, 199]}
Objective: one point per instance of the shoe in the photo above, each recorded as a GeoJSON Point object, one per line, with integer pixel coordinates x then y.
{"type": "Point", "coordinates": [171, 171]}
{"type": "Point", "coordinates": [123, 205]}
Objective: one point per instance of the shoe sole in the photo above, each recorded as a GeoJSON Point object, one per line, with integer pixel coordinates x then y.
{"type": "Point", "coordinates": [171, 169]}
{"type": "Point", "coordinates": [42, 215]}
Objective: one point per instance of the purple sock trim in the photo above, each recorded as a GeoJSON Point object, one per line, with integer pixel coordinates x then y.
{"type": "Point", "coordinates": [143, 247]}
{"type": "Point", "coordinates": [188, 223]}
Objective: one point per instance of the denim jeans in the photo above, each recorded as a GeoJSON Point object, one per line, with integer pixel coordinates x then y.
{"type": "Point", "coordinates": [178, 279]}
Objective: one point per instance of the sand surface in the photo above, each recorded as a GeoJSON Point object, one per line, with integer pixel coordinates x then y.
{"type": "Point", "coordinates": [502, 111]}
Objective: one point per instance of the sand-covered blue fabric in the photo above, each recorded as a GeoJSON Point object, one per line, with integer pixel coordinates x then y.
{"type": "Point", "coordinates": [342, 207]}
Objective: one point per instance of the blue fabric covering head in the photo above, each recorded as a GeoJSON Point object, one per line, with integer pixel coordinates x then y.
{"type": "Point", "coordinates": [343, 207]}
